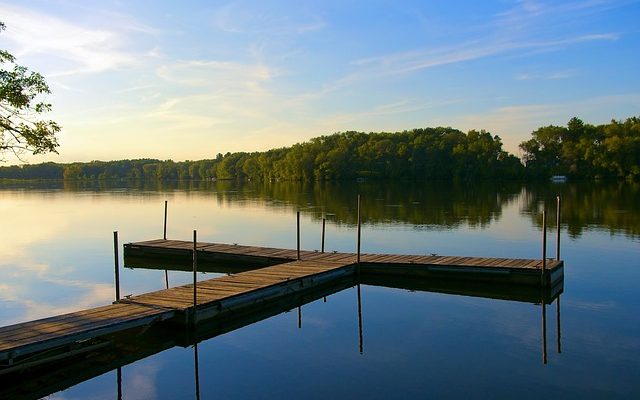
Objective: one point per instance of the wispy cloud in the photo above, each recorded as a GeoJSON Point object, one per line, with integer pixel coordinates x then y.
{"type": "Point", "coordinates": [225, 76]}
{"type": "Point", "coordinates": [417, 60]}
{"type": "Point", "coordinates": [558, 75]}
{"type": "Point", "coordinates": [256, 17]}
{"type": "Point", "coordinates": [76, 48]}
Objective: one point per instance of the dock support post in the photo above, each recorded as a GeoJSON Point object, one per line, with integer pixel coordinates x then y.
{"type": "Point", "coordinates": [298, 233]}
{"type": "Point", "coordinates": [195, 270]}
{"type": "Point", "coordinates": [557, 228]}
{"type": "Point", "coordinates": [324, 220]}
{"type": "Point", "coordinates": [299, 317]}
{"type": "Point", "coordinates": [358, 244]}
{"type": "Point", "coordinates": [117, 264]}
{"type": "Point", "coordinates": [164, 236]}
{"type": "Point", "coordinates": [544, 247]}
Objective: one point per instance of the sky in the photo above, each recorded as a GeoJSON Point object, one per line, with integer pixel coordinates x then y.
{"type": "Point", "coordinates": [185, 80]}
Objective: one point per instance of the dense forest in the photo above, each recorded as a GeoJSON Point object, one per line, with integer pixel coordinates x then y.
{"type": "Point", "coordinates": [578, 150]}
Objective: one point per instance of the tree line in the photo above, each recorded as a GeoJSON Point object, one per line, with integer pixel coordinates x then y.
{"type": "Point", "coordinates": [577, 150]}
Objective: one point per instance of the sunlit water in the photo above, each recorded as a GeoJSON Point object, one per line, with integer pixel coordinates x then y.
{"type": "Point", "coordinates": [56, 256]}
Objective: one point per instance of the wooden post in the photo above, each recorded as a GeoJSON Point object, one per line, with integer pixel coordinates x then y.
{"type": "Point", "coordinates": [298, 232]}
{"type": "Point", "coordinates": [359, 225]}
{"type": "Point", "coordinates": [165, 221]}
{"type": "Point", "coordinates": [544, 246]}
{"type": "Point", "coordinates": [166, 279]}
{"type": "Point", "coordinates": [299, 317]}
{"type": "Point", "coordinates": [324, 220]}
{"type": "Point", "coordinates": [117, 264]}
{"type": "Point", "coordinates": [195, 270]}
{"type": "Point", "coordinates": [558, 228]}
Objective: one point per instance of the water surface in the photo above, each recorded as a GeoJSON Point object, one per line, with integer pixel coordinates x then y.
{"type": "Point", "coordinates": [56, 256]}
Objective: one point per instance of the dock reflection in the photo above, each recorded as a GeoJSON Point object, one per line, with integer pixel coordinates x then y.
{"type": "Point", "coordinates": [137, 344]}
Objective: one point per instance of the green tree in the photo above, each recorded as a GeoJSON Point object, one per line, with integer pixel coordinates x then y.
{"type": "Point", "coordinates": [21, 129]}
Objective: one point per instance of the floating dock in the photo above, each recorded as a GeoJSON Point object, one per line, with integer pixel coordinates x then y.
{"type": "Point", "coordinates": [282, 273]}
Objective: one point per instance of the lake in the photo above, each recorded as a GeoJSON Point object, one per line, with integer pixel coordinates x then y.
{"type": "Point", "coordinates": [361, 341]}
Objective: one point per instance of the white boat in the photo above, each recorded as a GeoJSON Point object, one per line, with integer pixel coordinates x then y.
{"type": "Point", "coordinates": [558, 178]}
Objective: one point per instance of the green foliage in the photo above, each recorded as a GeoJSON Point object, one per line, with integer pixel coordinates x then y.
{"type": "Point", "coordinates": [579, 150]}
{"type": "Point", "coordinates": [21, 128]}
{"type": "Point", "coordinates": [585, 151]}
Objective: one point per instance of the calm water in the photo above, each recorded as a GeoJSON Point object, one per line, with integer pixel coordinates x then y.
{"type": "Point", "coordinates": [56, 257]}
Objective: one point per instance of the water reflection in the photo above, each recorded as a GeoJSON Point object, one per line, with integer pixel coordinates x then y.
{"type": "Point", "coordinates": [611, 206]}
{"type": "Point", "coordinates": [136, 344]}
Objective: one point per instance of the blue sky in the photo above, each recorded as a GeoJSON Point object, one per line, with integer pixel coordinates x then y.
{"type": "Point", "coordinates": [189, 79]}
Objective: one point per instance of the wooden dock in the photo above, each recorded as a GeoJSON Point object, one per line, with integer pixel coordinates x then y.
{"type": "Point", "coordinates": [282, 274]}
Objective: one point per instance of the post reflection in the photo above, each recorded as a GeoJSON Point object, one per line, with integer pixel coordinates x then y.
{"type": "Point", "coordinates": [544, 329]}
{"type": "Point", "coordinates": [119, 382]}
{"type": "Point", "coordinates": [196, 370]}
{"type": "Point", "coordinates": [558, 323]}
{"type": "Point", "coordinates": [544, 332]}
{"type": "Point", "coordinates": [360, 341]}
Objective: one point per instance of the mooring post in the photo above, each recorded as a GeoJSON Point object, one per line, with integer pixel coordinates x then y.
{"type": "Point", "coordinates": [298, 233]}
{"type": "Point", "coordinates": [544, 246]}
{"type": "Point", "coordinates": [358, 244]}
{"type": "Point", "coordinates": [195, 270]}
{"type": "Point", "coordinates": [324, 220]}
{"type": "Point", "coordinates": [164, 236]}
{"type": "Point", "coordinates": [557, 228]}
{"type": "Point", "coordinates": [117, 263]}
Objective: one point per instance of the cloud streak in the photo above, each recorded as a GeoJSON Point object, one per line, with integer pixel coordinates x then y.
{"type": "Point", "coordinates": [71, 48]}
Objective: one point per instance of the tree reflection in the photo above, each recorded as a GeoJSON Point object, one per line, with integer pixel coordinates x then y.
{"type": "Point", "coordinates": [614, 207]}
{"type": "Point", "coordinates": [586, 205]}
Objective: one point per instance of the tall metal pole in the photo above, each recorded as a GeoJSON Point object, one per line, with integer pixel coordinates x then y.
{"type": "Point", "coordinates": [117, 264]}
{"type": "Point", "coordinates": [324, 220]}
{"type": "Point", "coordinates": [558, 228]}
{"type": "Point", "coordinates": [164, 236]}
{"type": "Point", "coordinates": [195, 270]}
{"type": "Point", "coordinates": [544, 246]}
{"type": "Point", "coordinates": [298, 232]}
{"type": "Point", "coordinates": [359, 225]}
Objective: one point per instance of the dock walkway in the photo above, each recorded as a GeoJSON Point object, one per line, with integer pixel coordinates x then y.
{"type": "Point", "coordinates": [34, 342]}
